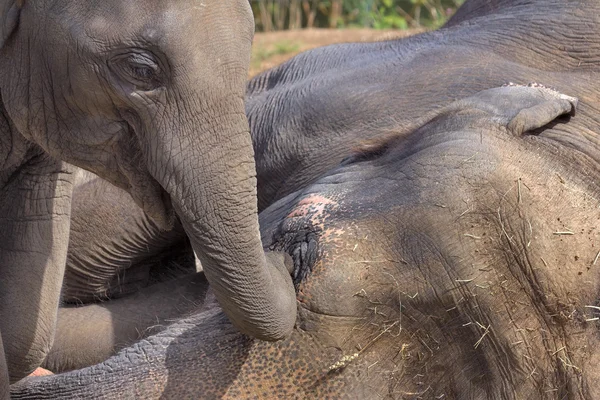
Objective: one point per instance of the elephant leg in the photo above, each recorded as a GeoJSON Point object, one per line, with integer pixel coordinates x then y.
{"type": "Point", "coordinates": [90, 334]}
{"type": "Point", "coordinates": [33, 248]}
{"type": "Point", "coordinates": [114, 248]}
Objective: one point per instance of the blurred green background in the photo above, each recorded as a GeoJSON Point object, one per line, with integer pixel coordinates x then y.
{"type": "Point", "coordinates": [277, 15]}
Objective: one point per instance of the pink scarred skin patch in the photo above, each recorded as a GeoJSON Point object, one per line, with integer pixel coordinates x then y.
{"type": "Point", "coordinates": [313, 204]}
{"type": "Point", "coordinates": [316, 208]}
{"type": "Point", "coordinates": [41, 372]}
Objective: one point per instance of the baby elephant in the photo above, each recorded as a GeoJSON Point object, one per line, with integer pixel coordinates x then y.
{"type": "Point", "coordinates": [149, 96]}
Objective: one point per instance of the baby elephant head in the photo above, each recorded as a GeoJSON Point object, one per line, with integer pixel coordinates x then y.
{"type": "Point", "coordinates": [150, 96]}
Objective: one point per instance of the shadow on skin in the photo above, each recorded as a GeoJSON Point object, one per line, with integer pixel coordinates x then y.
{"type": "Point", "coordinates": [90, 334]}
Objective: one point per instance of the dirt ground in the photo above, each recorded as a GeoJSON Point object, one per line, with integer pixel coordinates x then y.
{"type": "Point", "coordinates": [273, 48]}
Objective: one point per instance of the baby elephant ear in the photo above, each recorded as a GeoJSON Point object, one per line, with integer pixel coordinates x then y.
{"type": "Point", "coordinates": [9, 18]}
{"type": "Point", "coordinates": [523, 108]}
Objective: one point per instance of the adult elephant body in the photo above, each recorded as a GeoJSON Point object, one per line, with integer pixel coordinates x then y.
{"type": "Point", "coordinates": [307, 114]}
{"type": "Point", "coordinates": [148, 95]}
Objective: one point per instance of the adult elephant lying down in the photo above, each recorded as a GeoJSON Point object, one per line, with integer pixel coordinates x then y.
{"type": "Point", "coordinates": [450, 259]}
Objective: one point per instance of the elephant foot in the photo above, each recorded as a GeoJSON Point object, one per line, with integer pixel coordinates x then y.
{"type": "Point", "coordinates": [40, 372]}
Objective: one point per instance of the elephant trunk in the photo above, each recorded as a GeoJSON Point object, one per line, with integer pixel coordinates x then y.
{"type": "Point", "coordinates": [211, 179]}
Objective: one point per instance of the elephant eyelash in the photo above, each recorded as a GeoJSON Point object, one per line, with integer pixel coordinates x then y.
{"type": "Point", "coordinates": [143, 61]}
{"type": "Point", "coordinates": [145, 73]}
{"type": "Point", "coordinates": [142, 72]}
{"type": "Point", "coordinates": [139, 68]}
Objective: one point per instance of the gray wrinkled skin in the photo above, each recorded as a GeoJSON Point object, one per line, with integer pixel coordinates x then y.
{"type": "Point", "coordinates": [432, 263]}
{"type": "Point", "coordinates": [311, 113]}
{"type": "Point", "coordinates": [149, 96]}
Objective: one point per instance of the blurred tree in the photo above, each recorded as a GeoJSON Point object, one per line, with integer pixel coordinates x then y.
{"type": "Point", "coordinates": [310, 11]}
{"type": "Point", "coordinates": [379, 14]}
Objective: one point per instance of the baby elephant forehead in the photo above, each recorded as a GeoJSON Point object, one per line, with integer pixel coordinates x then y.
{"type": "Point", "coordinates": [100, 26]}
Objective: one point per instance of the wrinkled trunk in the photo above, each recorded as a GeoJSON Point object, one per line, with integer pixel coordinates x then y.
{"type": "Point", "coordinates": [207, 168]}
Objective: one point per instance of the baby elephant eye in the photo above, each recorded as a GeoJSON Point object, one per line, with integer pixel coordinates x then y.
{"type": "Point", "coordinates": [143, 65]}
{"type": "Point", "coordinates": [139, 67]}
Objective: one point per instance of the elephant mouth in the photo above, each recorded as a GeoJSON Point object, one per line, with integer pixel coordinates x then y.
{"type": "Point", "coordinates": [155, 201]}
{"type": "Point", "coordinates": [135, 178]}
{"type": "Point", "coordinates": [147, 193]}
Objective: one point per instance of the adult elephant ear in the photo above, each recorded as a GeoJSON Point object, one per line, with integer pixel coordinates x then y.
{"type": "Point", "coordinates": [524, 108]}
{"type": "Point", "coordinates": [542, 106]}
{"type": "Point", "coordinates": [9, 18]}
{"type": "Point", "coordinates": [519, 109]}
